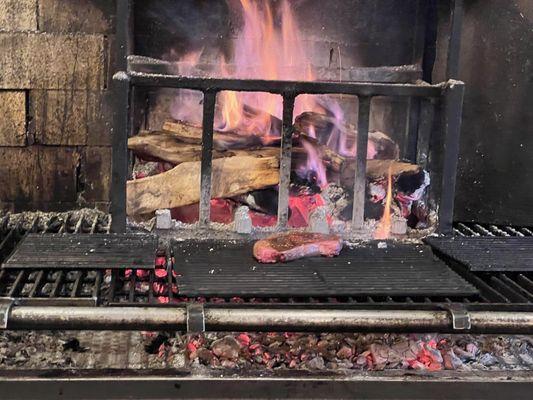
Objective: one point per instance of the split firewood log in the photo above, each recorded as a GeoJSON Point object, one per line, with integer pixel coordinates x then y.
{"type": "Point", "coordinates": [221, 140]}
{"type": "Point", "coordinates": [328, 131]}
{"type": "Point", "coordinates": [180, 186]}
{"type": "Point", "coordinates": [376, 169]}
{"type": "Point", "coordinates": [164, 146]}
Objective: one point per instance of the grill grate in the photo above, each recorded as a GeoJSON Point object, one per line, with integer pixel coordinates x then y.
{"type": "Point", "coordinates": [80, 251]}
{"type": "Point", "coordinates": [211, 268]}
{"type": "Point", "coordinates": [489, 253]}
{"type": "Point", "coordinates": [159, 285]}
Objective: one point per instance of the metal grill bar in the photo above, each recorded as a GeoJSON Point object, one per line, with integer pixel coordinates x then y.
{"type": "Point", "coordinates": [207, 154]}
{"type": "Point", "coordinates": [359, 189]}
{"type": "Point", "coordinates": [425, 126]}
{"type": "Point", "coordinates": [453, 106]}
{"type": "Point", "coordinates": [283, 87]}
{"type": "Point", "coordinates": [285, 160]}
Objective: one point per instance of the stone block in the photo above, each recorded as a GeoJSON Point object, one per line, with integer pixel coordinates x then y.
{"type": "Point", "coordinates": [72, 118]}
{"type": "Point", "coordinates": [19, 171]}
{"type": "Point", "coordinates": [52, 61]}
{"type": "Point", "coordinates": [18, 15]}
{"type": "Point", "coordinates": [39, 177]}
{"type": "Point", "coordinates": [13, 118]}
{"type": "Point", "coordinates": [57, 175]}
{"type": "Point", "coordinates": [88, 16]}
{"type": "Point", "coordinates": [163, 219]}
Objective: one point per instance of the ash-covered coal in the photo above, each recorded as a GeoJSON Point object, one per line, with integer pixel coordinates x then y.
{"type": "Point", "coordinates": [350, 353]}
{"type": "Point", "coordinates": [336, 351]}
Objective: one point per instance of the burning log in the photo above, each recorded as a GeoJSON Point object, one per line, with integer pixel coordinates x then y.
{"type": "Point", "coordinates": [341, 137]}
{"type": "Point", "coordinates": [166, 146]}
{"type": "Point", "coordinates": [180, 186]}
{"type": "Point", "coordinates": [222, 141]}
{"type": "Point", "coordinates": [380, 168]}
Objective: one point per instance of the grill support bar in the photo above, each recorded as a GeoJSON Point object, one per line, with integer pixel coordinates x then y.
{"type": "Point", "coordinates": [285, 160]}
{"type": "Point", "coordinates": [207, 157]}
{"type": "Point", "coordinates": [264, 319]}
{"type": "Point", "coordinates": [451, 126]}
{"type": "Point", "coordinates": [359, 190]}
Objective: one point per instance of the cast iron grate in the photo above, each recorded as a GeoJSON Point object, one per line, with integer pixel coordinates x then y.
{"type": "Point", "coordinates": [487, 253]}
{"type": "Point", "coordinates": [210, 268]}
{"type": "Point", "coordinates": [159, 286]}
{"type": "Point", "coordinates": [80, 251]}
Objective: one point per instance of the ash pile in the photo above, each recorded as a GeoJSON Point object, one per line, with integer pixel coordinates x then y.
{"type": "Point", "coordinates": [348, 353]}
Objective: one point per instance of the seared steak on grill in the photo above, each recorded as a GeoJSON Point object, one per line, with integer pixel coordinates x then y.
{"type": "Point", "coordinates": [293, 245]}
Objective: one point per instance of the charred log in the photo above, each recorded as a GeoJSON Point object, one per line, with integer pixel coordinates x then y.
{"type": "Point", "coordinates": [329, 132]}
{"type": "Point", "coordinates": [165, 146]}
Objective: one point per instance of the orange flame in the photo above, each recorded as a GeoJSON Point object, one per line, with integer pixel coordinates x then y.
{"type": "Point", "coordinates": [384, 227]}
{"type": "Point", "coordinates": [264, 51]}
{"type": "Point", "coordinates": [269, 46]}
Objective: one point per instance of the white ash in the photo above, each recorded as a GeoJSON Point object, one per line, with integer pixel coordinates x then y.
{"type": "Point", "coordinates": [163, 219]}
{"type": "Point", "coordinates": [318, 221]}
{"type": "Point", "coordinates": [242, 220]}
{"type": "Point", "coordinates": [146, 168]}
{"type": "Point", "coordinates": [25, 219]}
{"type": "Point", "coordinates": [336, 198]}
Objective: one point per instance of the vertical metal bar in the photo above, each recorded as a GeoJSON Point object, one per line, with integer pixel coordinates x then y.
{"type": "Point", "coordinates": [207, 157]}
{"type": "Point", "coordinates": [56, 287]}
{"type": "Point", "coordinates": [132, 282]}
{"type": "Point", "coordinates": [121, 122]}
{"type": "Point", "coordinates": [359, 188]}
{"type": "Point", "coordinates": [425, 127]}
{"type": "Point", "coordinates": [285, 160]}
{"type": "Point", "coordinates": [18, 284]}
{"type": "Point", "coordinates": [454, 46]}
{"type": "Point", "coordinates": [411, 137]}
{"type": "Point", "coordinates": [76, 286]}
{"type": "Point", "coordinates": [451, 128]}
{"type": "Point", "coordinates": [113, 286]}
{"type": "Point", "coordinates": [97, 285]}
{"type": "Point", "coordinates": [37, 284]}
{"type": "Point", "coordinates": [151, 291]}
{"type": "Point", "coordinates": [119, 176]}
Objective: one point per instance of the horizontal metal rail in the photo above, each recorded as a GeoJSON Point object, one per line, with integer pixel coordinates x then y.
{"type": "Point", "coordinates": [153, 384]}
{"type": "Point", "coordinates": [285, 87]}
{"type": "Point", "coordinates": [264, 319]}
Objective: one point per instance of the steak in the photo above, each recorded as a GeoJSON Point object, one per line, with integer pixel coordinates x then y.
{"type": "Point", "coordinates": [294, 245]}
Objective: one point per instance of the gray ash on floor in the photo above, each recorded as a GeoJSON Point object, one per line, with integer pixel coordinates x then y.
{"type": "Point", "coordinates": [348, 353]}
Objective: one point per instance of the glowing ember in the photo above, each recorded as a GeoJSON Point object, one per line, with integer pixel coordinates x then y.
{"type": "Point", "coordinates": [384, 227]}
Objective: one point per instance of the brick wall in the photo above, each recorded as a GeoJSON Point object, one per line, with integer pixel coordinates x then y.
{"type": "Point", "coordinates": [55, 116]}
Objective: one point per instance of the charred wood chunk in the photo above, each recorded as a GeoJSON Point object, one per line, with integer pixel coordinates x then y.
{"type": "Point", "coordinates": [341, 137]}
{"type": "Point", "coordinates": [265, 201]}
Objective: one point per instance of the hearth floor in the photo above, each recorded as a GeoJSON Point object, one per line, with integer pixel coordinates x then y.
{"type": "Point", "coordinates": [214, 268]}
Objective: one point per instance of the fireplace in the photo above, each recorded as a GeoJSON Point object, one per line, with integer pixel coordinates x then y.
{"type": "Point", "coordinates": [256, 132]}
